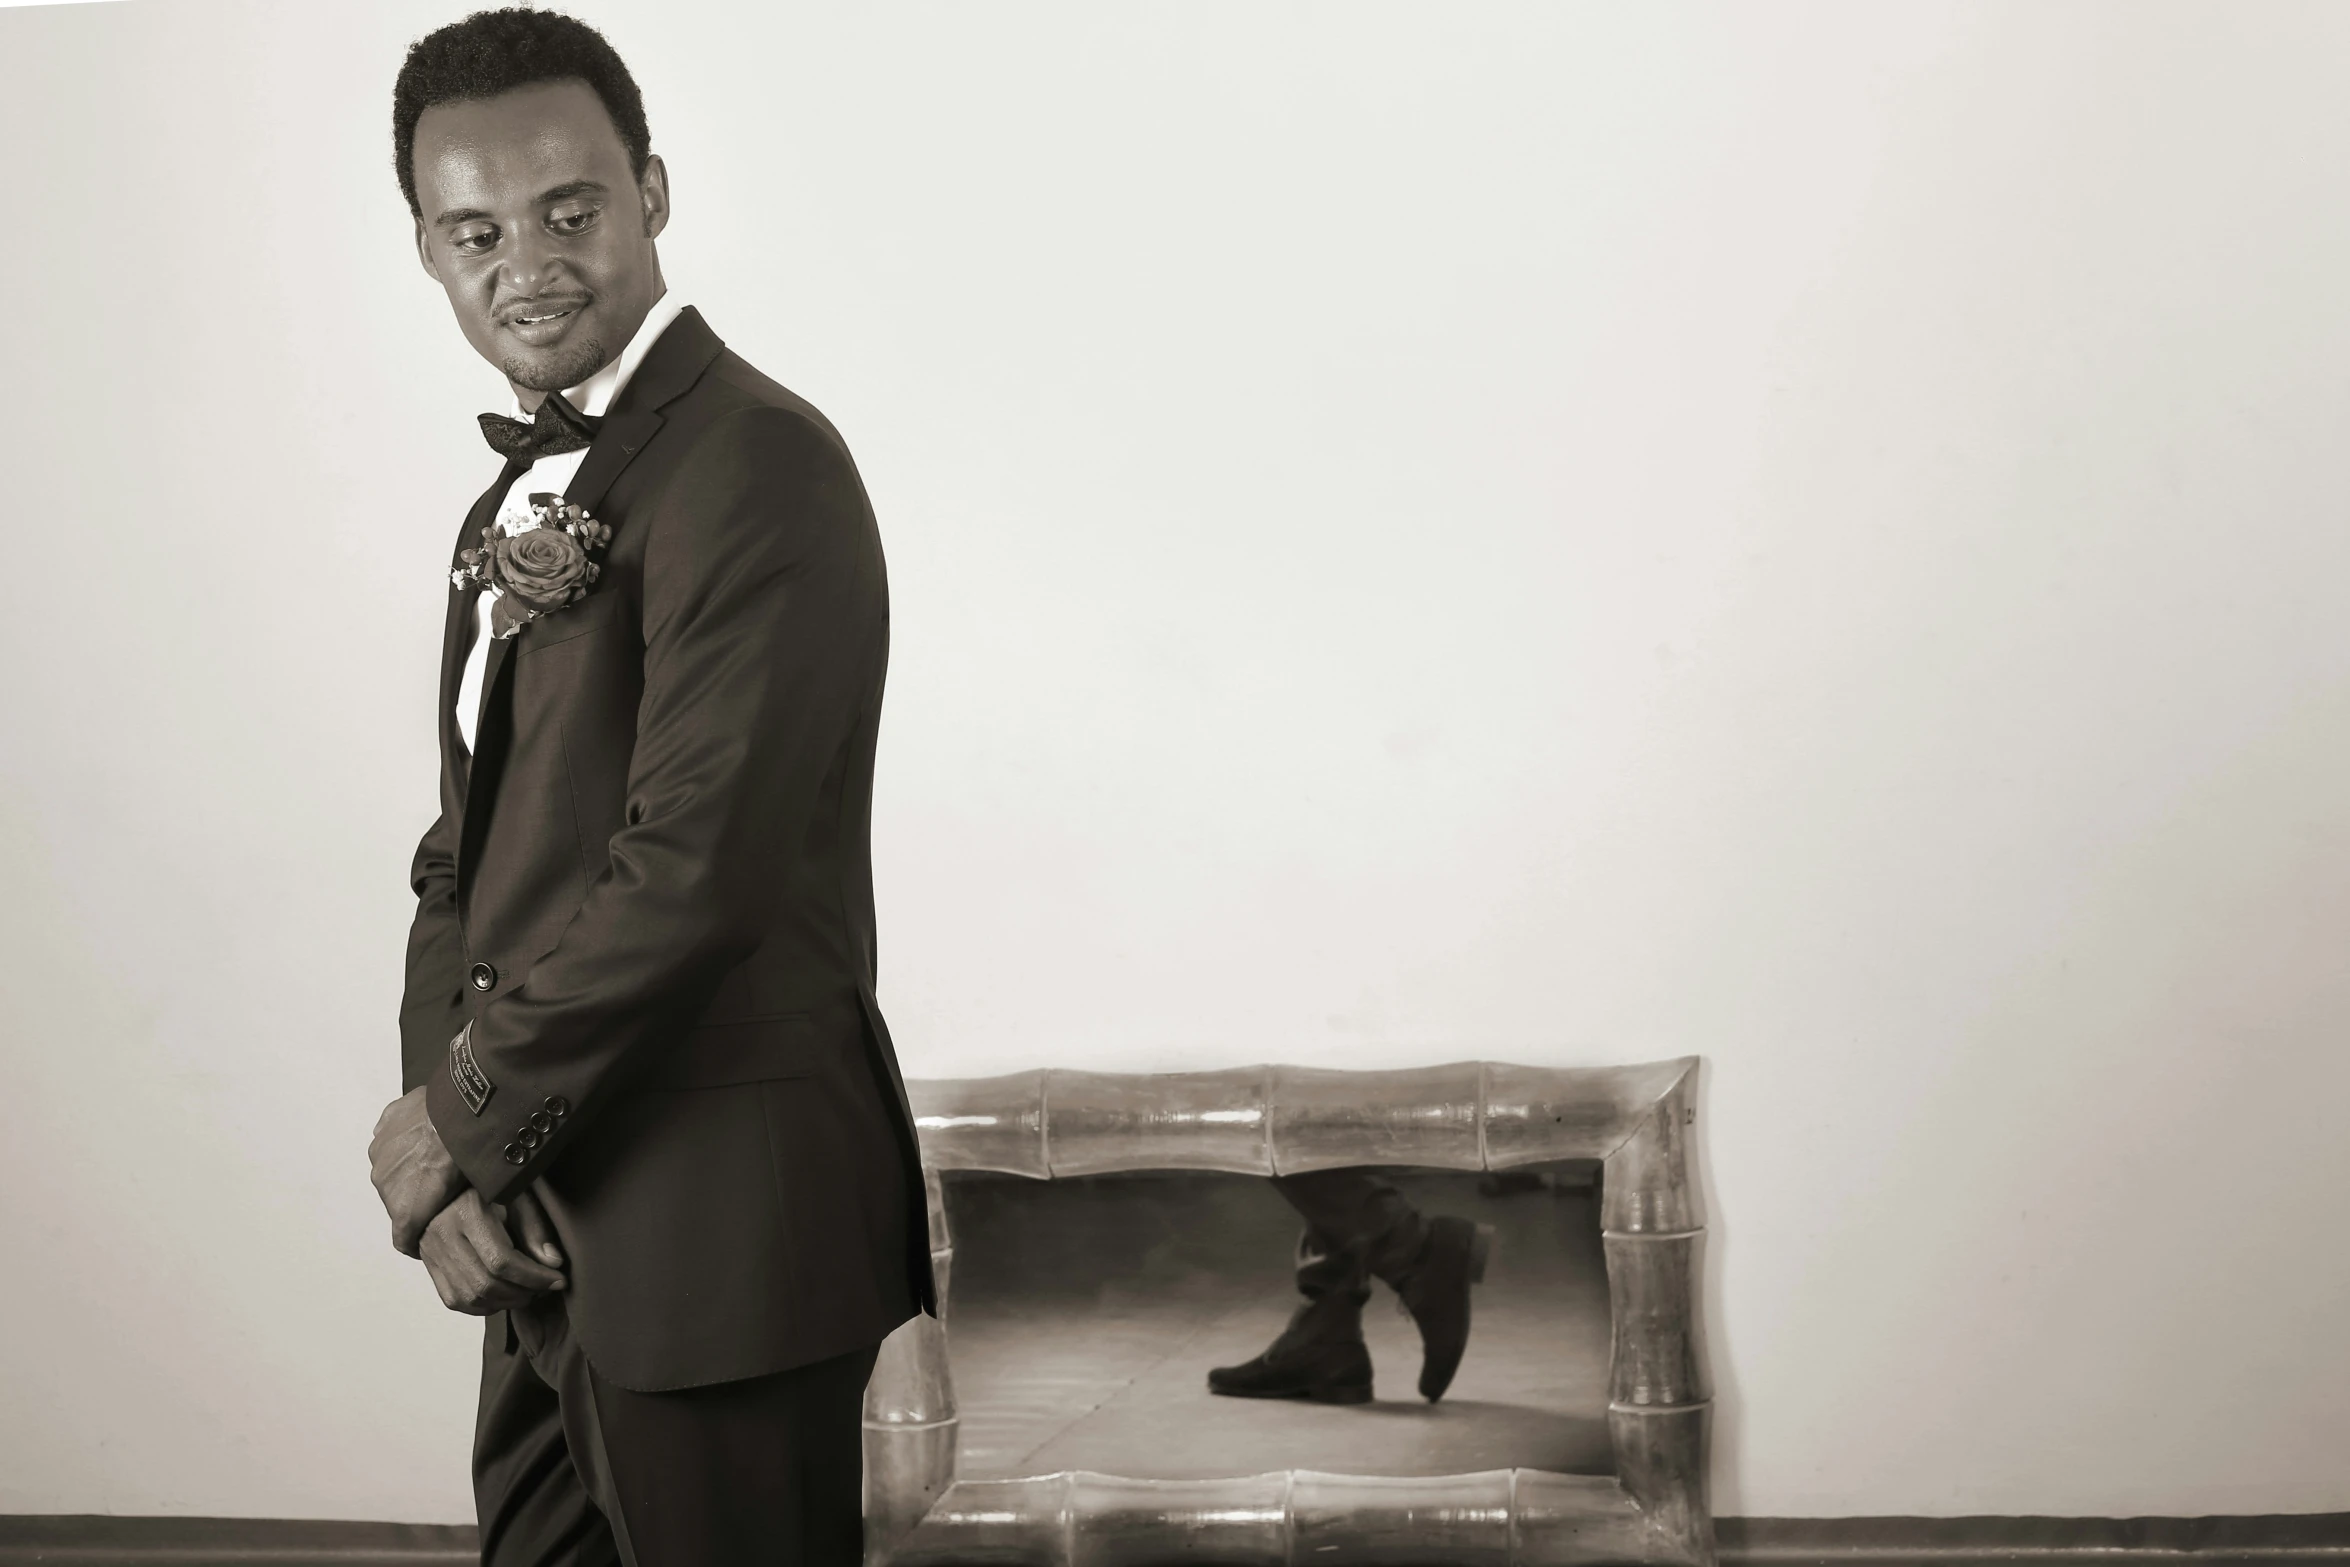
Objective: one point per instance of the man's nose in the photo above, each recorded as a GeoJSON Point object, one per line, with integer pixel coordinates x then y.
{"type": "Point", "coordinates": [531, 264]}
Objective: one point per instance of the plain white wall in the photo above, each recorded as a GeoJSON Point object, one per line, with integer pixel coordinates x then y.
{"type": "Point", "coordinates": [1811, 536]}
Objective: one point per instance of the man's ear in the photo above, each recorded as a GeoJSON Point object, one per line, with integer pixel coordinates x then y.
{"type": "Point", "coordinates": [653, 191]}
{"type": "Point", "coordinates": [424, 252]}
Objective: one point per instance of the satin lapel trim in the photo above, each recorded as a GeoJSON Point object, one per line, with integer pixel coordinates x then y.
{"type": "Point", "coordinates": [454, 759]}
{"type": "Point", "coordinates": [454, 646]}
{"type": "Point", "coordinates": [501, 649]}
{"type": "Point", "coordinates": [617, 443]}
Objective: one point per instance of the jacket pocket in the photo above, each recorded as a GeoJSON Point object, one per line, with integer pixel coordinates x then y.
{"type": "Point", "coordinates": [592, 613]}
{"type": "Point", "coordinates": [753, 1050]}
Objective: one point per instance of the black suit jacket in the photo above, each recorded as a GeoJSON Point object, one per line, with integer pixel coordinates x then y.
{"type": "Point", "coordinates": [641, 970]}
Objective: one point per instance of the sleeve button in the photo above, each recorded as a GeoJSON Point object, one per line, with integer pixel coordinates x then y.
{"type": "Point", "coordinates": [558, 1106]}
{"type": "Point", "coordinates": [527, 1137]}
{"type": "Point", "coordinates": [541, 1121]}
{"type": "Point", "coordinates": [515, 1153]}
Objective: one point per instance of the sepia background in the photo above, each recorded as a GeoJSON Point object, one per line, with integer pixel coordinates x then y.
{"type": "Point", "coordinates": [1807, 535]}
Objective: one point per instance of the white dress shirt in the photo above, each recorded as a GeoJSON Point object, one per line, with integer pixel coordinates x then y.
{"type": "Point", "coordinates": [593, 397]}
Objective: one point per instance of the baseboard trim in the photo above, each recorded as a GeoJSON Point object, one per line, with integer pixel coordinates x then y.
{"type": "Point", "coordinates": [2263, 1540]}
{"type": "Point", "coordinates": [2270, 1540]}
{"type": "Point", "coordinates": [82, 1540]}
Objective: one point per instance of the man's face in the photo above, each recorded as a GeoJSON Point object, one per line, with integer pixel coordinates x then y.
{"type": "Point", "coordinates": [534, 224]}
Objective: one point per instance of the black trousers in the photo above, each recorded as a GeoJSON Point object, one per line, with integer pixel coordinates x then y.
{"type": "Point", "coordinates": [1357, 1226]}
{"type": "Point", "coordinates": [571, 1471]}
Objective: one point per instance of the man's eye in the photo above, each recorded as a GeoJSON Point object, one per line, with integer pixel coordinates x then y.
{"type": "Point", "coordinates": [473, 242]}
{"type": "Point", "coordinates": [572, 222]}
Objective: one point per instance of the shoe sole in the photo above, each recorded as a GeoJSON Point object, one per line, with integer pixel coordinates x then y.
{"type": "Point", "coordinates": [1317, 1395]}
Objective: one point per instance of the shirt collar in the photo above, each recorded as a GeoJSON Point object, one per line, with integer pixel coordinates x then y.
{"type": "Point", "coordinates": [596, 394]}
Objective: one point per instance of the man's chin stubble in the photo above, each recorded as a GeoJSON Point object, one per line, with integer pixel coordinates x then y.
{"type": "Point", "coordinates": [556, 371]}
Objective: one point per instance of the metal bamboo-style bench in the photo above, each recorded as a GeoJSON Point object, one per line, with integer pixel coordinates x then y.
{"type": "Point", "coordinates": [1264, 1120]}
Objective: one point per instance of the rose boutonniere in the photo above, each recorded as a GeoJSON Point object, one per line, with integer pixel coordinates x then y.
{"type": "Point", "coordinates": [534, 564]}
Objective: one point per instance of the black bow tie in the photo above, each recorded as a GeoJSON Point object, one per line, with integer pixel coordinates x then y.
{"type": "Point", "coordinates": [557, 428]}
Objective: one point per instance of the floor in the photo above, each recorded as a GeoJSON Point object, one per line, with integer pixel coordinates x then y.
{"type": "Point", "coordinates": [1086, 1312]}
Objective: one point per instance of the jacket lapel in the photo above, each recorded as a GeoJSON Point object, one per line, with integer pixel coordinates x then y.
{"type": "Point", "coordinates": [457, 641]}
{"type": "Point", "coordinates": [669, 369]}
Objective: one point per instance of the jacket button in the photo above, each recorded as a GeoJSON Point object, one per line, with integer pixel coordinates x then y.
{"type": "Point", "coordinates": [540, 1121]}
{"type": "Point", "coordinates": [527, 1137]}
{"type": "Point", "coordinates": [484, 976]}
{"type": "Point", "coordinates": [515, 1153]}
{"type": "Point", "coordinates": [558, 1106]}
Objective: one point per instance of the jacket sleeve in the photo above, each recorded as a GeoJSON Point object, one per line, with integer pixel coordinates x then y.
{"type": "Point", "coordinates": [765, 618]}
{"type": "Point", "coordinates": [432, 1005]}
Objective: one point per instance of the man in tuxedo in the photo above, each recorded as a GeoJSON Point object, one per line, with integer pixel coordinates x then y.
{"type": "Point", "coordinates": [654, 1129]}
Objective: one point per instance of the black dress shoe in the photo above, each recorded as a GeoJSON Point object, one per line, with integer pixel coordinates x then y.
{"type": "Point", "coordinates": [1436, 1294]}
{"type": "Point", "coordinates": [1301, 1364]}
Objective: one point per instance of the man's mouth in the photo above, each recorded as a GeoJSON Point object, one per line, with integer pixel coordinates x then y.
{"type": "Point", "coordinates": [541, 323]}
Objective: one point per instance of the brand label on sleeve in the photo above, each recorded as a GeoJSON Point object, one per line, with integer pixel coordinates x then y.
{"type": "Point", "coordinates": [472, 1086]}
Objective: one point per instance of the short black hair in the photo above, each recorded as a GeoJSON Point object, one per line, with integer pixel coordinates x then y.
{"type": "Point", "coordinates": [493, 52]}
